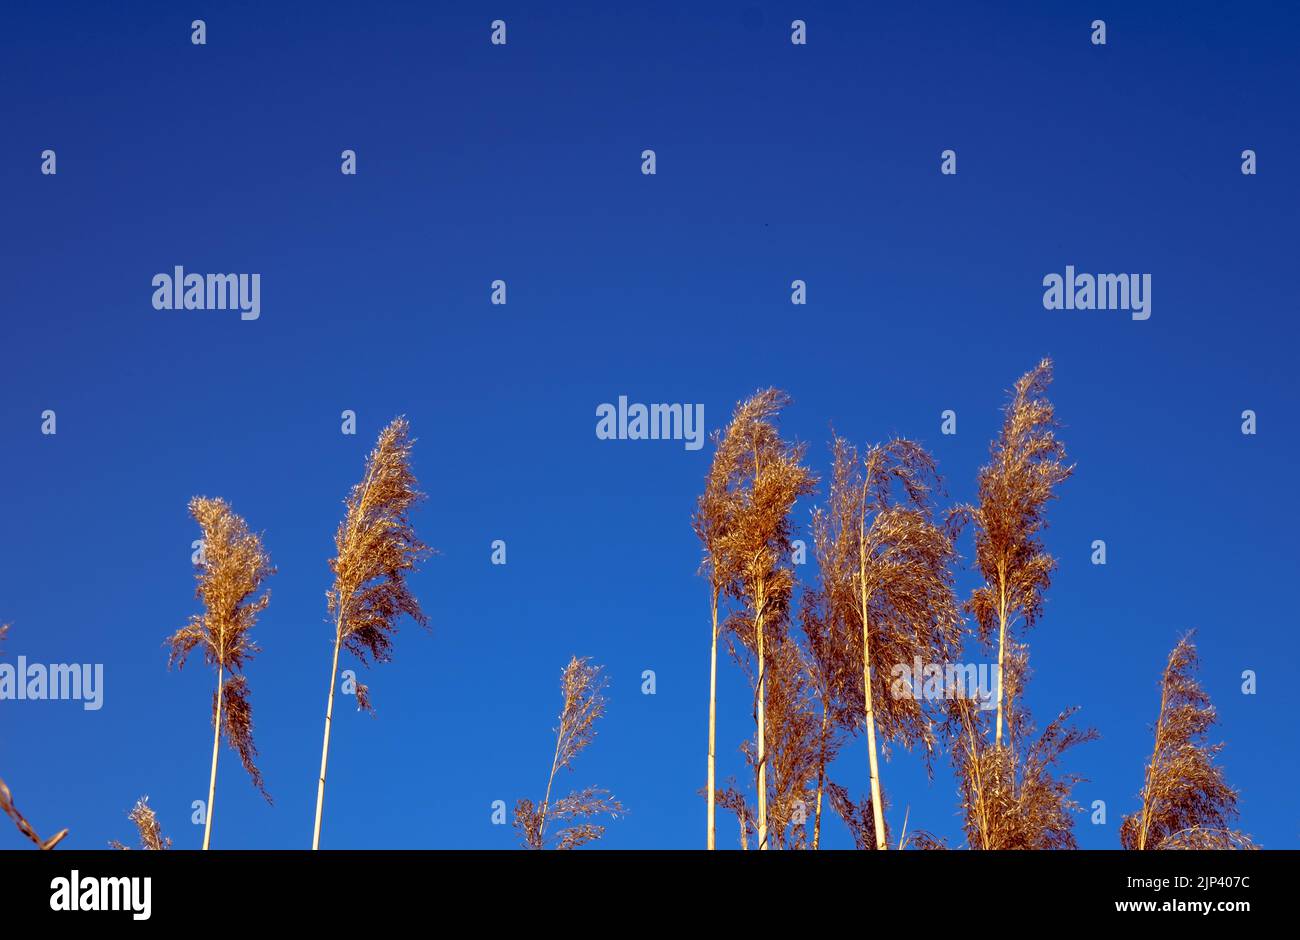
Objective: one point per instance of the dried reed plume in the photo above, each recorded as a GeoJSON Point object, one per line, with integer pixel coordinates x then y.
{"type": "Point", "coordinates": [763, 476]}
{"type": "Point", "coordinates": [793, 731]}
{"type": "Point", "coordinates": [1186, 802]}
{"type": "Point", "coordinates": [732, 800]}
{"type": "Point", "coordinates": [887, 593]}
{"type": "Point", "coordinates": [233, 568]}
{"type": "Point", "coordinates": [376, 548]}
{"type": "Point", "coordinates": [1026, 465]}
{"type": "Point", "coordinates": [146, 821]}
{"type": "Point", "coordinates": [7, 806]}
{"type": "Point", "coordinates": [583, 687]}
{"type": "Point", "coordinates": [1011, 796]}
{"type": "Point", "coordinates": [861, 817]}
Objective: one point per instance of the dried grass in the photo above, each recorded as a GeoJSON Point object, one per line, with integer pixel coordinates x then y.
{"type": "Point", "coordinates": [732, 799]}
{"type": "Point", "coordinates": [885, 596]}
{"type": "Point", "coordinates": [859, 817]}
{"type": "Point", "coordinates": [1186, 801]}
{"type": "Point", "coordinates": [146, 823]}
{"type": "Point", "coordinates": [1013, 795]}
{"type": "Point", "coordinates": [582, 686]}
{"type": "Point", "coordinates": [236, 566]}
{"type": "Point", "coordinates": [762, 477]}
{"type": "Point", "coordinates": [376, 548]}
{"type": "Point", "coordinates": [1027, 464]}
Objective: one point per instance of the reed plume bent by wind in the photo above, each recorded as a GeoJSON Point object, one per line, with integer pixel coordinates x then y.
{"type": "Point", "coordinates": [233, 566]}
{"type": "Point", "coordinates": [887, 591]}
{"type": "Point", "coordinates": [376, 547]}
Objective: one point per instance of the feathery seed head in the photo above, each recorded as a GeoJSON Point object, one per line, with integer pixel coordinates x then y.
{"type": "Point", "coordinates": [235, 566]}
{"type": "Point", "coordinates": [376, 547]}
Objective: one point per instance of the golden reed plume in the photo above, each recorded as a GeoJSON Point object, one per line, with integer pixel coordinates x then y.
{"type": "Point", "coordinates": [146, 823]}
{"type": "Point", "coordinates": [583, 687]}
{"type": "Point", "coordinates": [1027, 465]}
{"type": "Point", "coordinates": [1010, 796]}
{"type": "Point", "coordinates": [232, 567]}
{"type": "Point", "coordinates": [376, 547]}
{"type": "Point", "coordinates": [886, 593]}
{"type": "Point", "coordinates": [1186, 802]}
{"type": "Point", "coordinates": [752, 487]}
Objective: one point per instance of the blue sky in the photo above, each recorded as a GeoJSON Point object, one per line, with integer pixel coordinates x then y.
{"type": "Point", "coordinates": [522, 162]}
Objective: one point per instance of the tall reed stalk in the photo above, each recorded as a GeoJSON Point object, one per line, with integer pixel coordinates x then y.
{"type": "Point", "coordinates": [886, 579]}
{"type": "Point", "coordinates": [231, 571]}
{"type": "Point", "coordinates": [765, 477]}
{"type": "Point", "coordinates": [376, 547]}
{"type": "Point", "coordinates": [713, 523]}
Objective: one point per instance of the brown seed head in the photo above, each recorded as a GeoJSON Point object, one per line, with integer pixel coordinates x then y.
{"type": "Point", "coordinates": [376, 547]}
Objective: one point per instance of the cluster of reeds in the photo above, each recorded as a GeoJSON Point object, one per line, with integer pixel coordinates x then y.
{"type": "Point", "coordinates": [375, 549]}
{"type": "Point", "coordinates": [743, 519]}
{"type": "Point", "coordinates": [821, 657]}
{"type": "Point", "coordinates": [883, 597]}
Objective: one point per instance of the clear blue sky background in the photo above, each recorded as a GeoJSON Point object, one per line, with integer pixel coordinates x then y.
{"type": "Point", "coordinates": [476, 162]}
